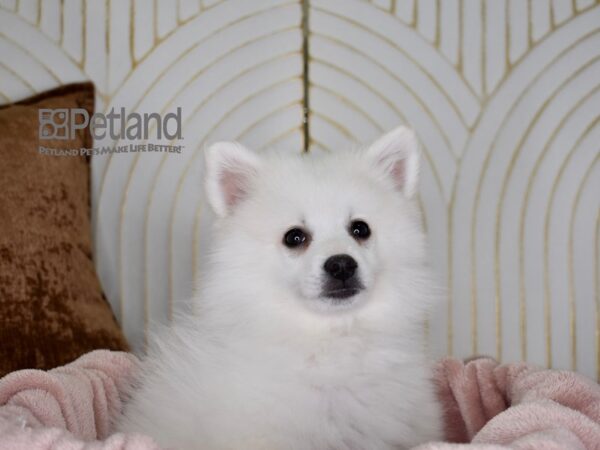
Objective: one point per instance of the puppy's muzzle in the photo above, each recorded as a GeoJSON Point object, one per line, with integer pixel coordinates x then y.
{"type": "Point", "coordinates": [341, 282]}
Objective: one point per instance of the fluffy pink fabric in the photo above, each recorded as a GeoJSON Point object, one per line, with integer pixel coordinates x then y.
{"type": "Point", "coordinates": [516, 406]}
{"type": "Point", "coordinates": [70, 407]}
{"type": "Point", "coordinates": [492, 406]}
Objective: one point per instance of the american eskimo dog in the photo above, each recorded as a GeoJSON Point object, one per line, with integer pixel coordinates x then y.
{"type": "Point", "coordinates": [308, 324]}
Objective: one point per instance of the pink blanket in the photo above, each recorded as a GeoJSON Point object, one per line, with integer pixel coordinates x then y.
{"type": "Point", "coordinates": [492, 406]}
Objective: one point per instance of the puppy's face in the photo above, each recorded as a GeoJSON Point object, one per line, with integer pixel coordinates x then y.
{"type": "Point", "coordinates": [330, 231]}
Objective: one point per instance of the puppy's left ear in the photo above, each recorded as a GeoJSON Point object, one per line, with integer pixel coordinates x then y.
{"type": "Point", "coordinates": [230, 171]}
{"type": "Point", "coordinates": [396, 154]}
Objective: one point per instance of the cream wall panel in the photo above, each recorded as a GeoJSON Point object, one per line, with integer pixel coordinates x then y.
{"type": "Point", "coordinates": [405, 10]}
{"type": "Point", "coordinates": [509, 155]}
{"type": "Point", "coordinates": [561, 11]}
{"type": "Point", "coordinates": [450, 29]}
{"type": "Point", "coordinates": [504, 94]}
{"type": "Point", "coordinates": [73, 27]}
{"type": "Point", "coordinates": [230, 69]}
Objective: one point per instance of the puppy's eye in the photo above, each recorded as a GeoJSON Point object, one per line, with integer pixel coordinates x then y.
{"type": "Point", "coordinates": [296, 237]}
{"type": "Point", "coordinates": [360, 230]}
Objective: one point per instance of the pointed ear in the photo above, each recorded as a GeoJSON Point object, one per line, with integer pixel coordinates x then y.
{"type": "Point", "coordinates": [230, 168]}
{"type": "Point", "coordinates": [396, 154]}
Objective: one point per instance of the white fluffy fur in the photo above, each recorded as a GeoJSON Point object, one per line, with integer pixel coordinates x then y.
{"type": "Point", "coordinates": [264, 362]}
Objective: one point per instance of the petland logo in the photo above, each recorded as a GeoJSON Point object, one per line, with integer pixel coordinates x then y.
{"type": "Point", "coordinates": [63, 124]}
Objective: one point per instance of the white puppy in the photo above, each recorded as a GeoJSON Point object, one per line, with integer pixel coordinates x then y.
{"type": "Point", "coordinates": [308, 330]}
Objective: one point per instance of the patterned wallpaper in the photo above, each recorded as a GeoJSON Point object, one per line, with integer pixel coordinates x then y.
{"type": "Point", "coordinates": [504, 94]}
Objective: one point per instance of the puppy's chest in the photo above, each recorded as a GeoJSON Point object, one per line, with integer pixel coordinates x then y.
{"type": "Point", "coordinates": [335, 379]}
{"type": "Point", "coordinates": [355, 373]}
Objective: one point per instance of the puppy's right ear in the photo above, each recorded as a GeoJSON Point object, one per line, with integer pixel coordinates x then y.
{"type": "Point", "coordinates": [396, 154]}
{"type": "Point", "coordinates": [230, 168]}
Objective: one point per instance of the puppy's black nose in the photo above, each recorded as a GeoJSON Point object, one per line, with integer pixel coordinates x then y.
{"type": "Point", "coordinates": [340, 267]}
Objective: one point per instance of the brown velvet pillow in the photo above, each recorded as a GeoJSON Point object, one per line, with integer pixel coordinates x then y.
{"type": "Point", "coordinates": [52, 308]}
